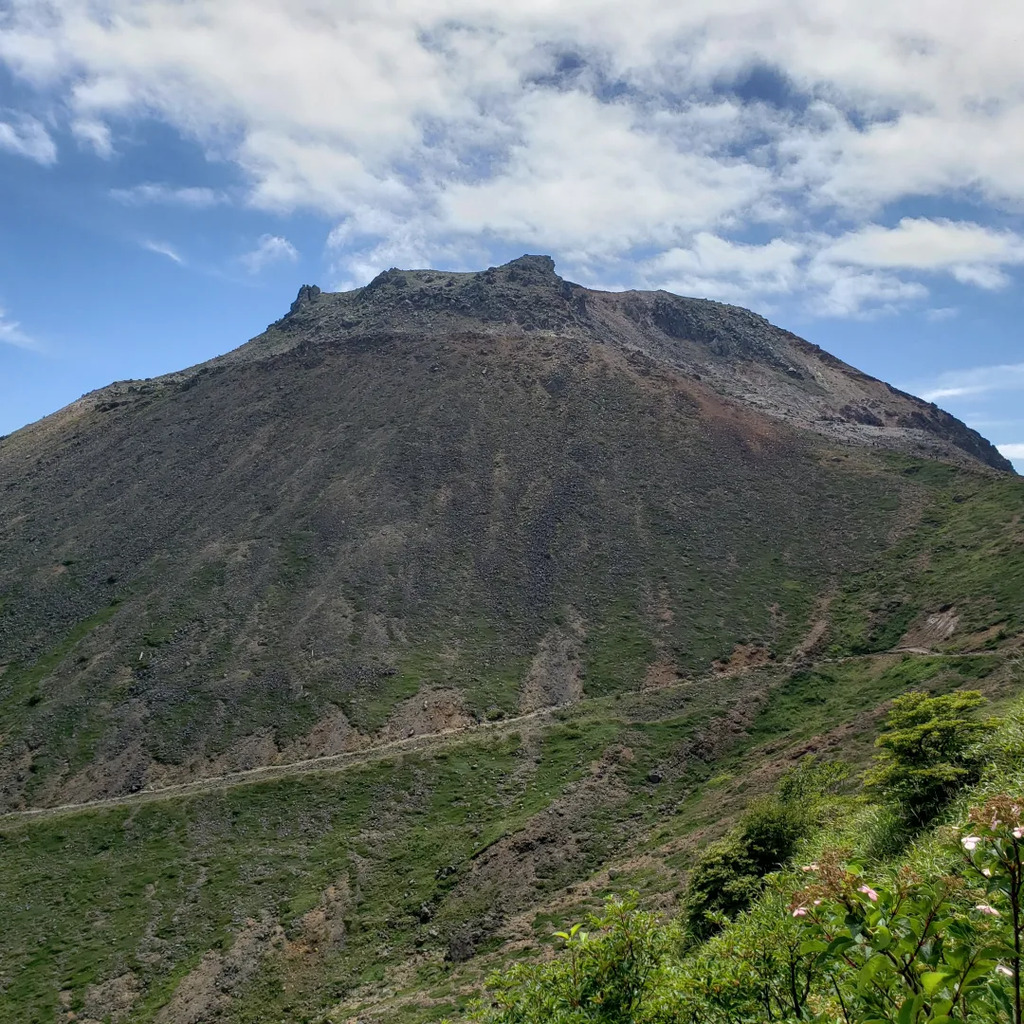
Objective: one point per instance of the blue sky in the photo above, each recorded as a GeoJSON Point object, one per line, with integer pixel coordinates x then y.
{"type": "Point", "coordinates": [172, 170]}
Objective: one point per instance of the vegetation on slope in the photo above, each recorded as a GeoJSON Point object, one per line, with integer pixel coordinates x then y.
{"type": "Point", "coordinates": [931, 933]}
{"type": "Point", "coordinates": [273, 902]}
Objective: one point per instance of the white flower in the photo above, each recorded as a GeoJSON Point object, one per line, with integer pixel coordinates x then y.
{"type": "Point", "coordinates": [1004, 970]}
{"type": "Point", "coordinates": [970, 843]}
{"type": "Point", "coordinates": [986, 909]}
{"type": "Point", "coordinates": [1018, 833]}
{"type": "Point", "coordinates": [987, 872]}
{"type": "Point", "coordinates": [809, 867]}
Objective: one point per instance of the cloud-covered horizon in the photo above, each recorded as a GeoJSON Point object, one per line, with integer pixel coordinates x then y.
{"type": "Point", "coordinates": [736, 148]}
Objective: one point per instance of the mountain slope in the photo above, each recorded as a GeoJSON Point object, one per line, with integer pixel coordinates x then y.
{"type": "Point", "coordinates": [435, 499]}
{"type": "Point", "coordinates": [566, 577]}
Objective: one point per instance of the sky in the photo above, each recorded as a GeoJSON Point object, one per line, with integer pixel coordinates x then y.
{"type": "Point", "coordinates": [172, 170]}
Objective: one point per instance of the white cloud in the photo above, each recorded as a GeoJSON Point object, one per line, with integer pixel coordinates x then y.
{"type": "Point", "coordinates": [846, 292]}
{"type": "Point", "coordinates": [976, 380]}
{"type": "Point", "coordinates": [94, 134]}
{"type": "Point", "coordinates": [430, 129]}
{"type": "Point", "coordinates": [1012, 451]}
{"type": "Point", "coordinates": [972, 254]}
{"type": "Point", "coordinates": [140, 195]}
{"type": "Point", "coordinates": [163, 249]}
{"type": "Point", "coordinates": [12, 334]}
{"type": "Point", "coordinates": [271, 249]}
{"type": "Point", "coordinates": [27, 137]}
{"type": "Point", "coordinates": [713, 266]}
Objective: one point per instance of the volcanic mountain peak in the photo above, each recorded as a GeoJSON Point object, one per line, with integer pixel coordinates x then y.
{"type": "Point", "coordinates": [727, 350]}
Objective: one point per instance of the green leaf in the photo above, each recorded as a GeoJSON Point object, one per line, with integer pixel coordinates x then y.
{"type": "Point", "coordinates": [840, 944]}
{"type": "Point", "coordinates": [814, 946]}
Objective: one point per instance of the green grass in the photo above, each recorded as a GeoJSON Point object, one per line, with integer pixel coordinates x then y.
{"type": "Point", "coordinates": [813, 700]}
{"type": "Point", "coordinates": [967, 553]}
{"type": "Point", "coordinates": [150, 889]}
{"type": "Point", "coordinates": [617, 653]}
{"type": "Point", "coordinates": [21, 684]}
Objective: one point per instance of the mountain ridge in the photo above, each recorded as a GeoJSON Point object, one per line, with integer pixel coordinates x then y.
{"type": "Point", "coordinates": [738, 352]}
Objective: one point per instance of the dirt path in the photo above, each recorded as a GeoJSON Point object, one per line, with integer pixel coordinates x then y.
{"type": "Point", "coordinates": [349, 759]}
{"type": "Point", "coordinates": [270, 772]}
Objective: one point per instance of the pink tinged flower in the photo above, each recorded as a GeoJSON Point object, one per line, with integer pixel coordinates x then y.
{"type": "Point", "coordinates": [987, 872]}
{"type": "Point", "coordinates": [970, 843]}
{"type": "Point", "coordinates": [817, 903]}
{"type": "Point", "coordinates": [809, 867]}
{"type": "Point", "coordinates": [800, 912]}
{"type": "Point", "coordinates": [869, 892]}
{"type": "Point", "coordinates": [1002, 969]}
{"type": "Point", "coordinates": [986, 909]}
{"type": "Point", "coordinates": [1018, 833]}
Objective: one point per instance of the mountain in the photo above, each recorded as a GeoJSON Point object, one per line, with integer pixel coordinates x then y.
{"type": "Point", "coordinates": [330, 666]}
{"type": "Point", "coordinates": [437, 498]}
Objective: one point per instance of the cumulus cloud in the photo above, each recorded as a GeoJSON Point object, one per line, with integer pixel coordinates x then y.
{"type": "Point", "coordinates": [163, 249]}
{"type": "Point", "coordinates": [713, 266]}
{"type": "Point", "coordinates": [971, 253]}
{"type": "Point", "coordinates": [271, 249]}
{"type": "Point", "coordinates": [141, 195]}
{"type": "Point", "coordinates": [662, 141]}
{"type": "Point", "coordinates": [1014, 452]}
{"type": "Point", "coordinates": [27, 137]}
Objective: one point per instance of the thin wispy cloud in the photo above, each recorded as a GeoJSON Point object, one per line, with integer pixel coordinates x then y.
{"type": "Point", "coordinates": [25, 136]}
{"type": "Point", "coordinates": [11, 333]}
{"type": "Point", "coordinates": [94, 135]}
{"type": "Point", "coordinates": [148, 193]}
{"type": "Point", "coordinates": [270, 249]}
{"type": "Point", "coordinates": [163, 249]}
{"type": "Point", "coordinates": [978, 380]}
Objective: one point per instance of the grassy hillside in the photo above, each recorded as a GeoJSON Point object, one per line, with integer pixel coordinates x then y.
{"type": "Point", "coordinates": [871, 914]}
{"type": "Point", "coordinates": [384, 883]}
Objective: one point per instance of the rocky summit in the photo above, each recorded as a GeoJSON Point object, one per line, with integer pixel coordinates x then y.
{"type": "Point", "coordinates": [331, 664]}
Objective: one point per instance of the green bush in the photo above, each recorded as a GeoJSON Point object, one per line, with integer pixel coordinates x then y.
{"type": "Point", "coordinates": [929, 753]}
{"type": "Point", "coordinates": [605, 974]}
{"type": "Point", "coordinates": [728, 877]}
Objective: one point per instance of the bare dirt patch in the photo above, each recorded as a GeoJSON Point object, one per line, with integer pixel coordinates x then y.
{"type": "Point", "coordinates": [660, 674]}
{"type": "Point", "coordinates": [743, 658]}
{"type": "Point", "coordinates": [430, 711]}
{"type": "Point", "coordinates": [205, 993]}
{"type": "Point", "coordinates": [811, 642]}
{"type": "Point", "coordinates": [333, 734]}
{"type": "Point", "coordinates": [929, 631]}
{"type": "Point", "coordinates": [555, 675]}
{"type": "Point", "coordinates": [111, 1000]}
